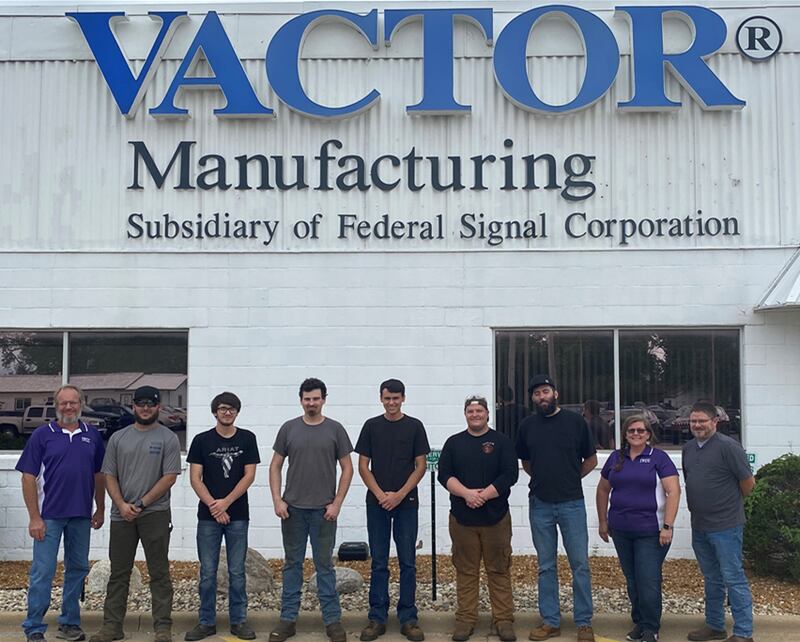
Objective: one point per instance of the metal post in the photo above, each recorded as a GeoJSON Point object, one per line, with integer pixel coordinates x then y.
{"type": "Point", "coordinates": [433, 534]}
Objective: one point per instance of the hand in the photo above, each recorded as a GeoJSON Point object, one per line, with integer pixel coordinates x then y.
{"type": "Point", "coordinates": [474, 498]}
{"type": "Point", "coordinates": [665, 537]}
{"type": "Point", "coordinates": [603, 531]}
{"type": "Point", "coordinates": [223, 518]}
{"type": "Point", "coordinates": [98, 518]}
{"type": "Point", "coordinates": [332, 511]}
{"type": "Point", "coordinates": [490, 492]}
{"type": "Point", "coordinates": [129, 512]}
{"type": "Point", "coordinates": [36, 529]}
{"type": "Point", "coordinates": [391, 500]}
{"type": "Point", "coordinates": [282, 509]}
{"type": "Point", "coordinates": [218, 506]}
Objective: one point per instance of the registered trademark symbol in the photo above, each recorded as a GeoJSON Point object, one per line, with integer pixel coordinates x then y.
{"type": "Point", "coordinates": [759, 38]}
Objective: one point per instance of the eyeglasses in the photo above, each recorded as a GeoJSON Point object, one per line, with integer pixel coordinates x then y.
{"type": "Point", "coordinates": [637, 431]}
{"type": "Point", "coordinates": [224, 410]}
{"type": "Point", "coordinates": [145, 403]}
{"type": "Point", "coordinates": [69, 403]}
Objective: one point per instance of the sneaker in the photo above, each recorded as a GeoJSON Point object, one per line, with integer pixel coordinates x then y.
{"type": "Point", "coordinates": [705, 633]}
{"type": "Point", "coordinates": [104, 635]}
{"type": "Point", "coordinates": [505, 631]}
{"type": "Point", "coordinates": [635, 633]}
{"type": "Point", "coordinates": [462, 631]}
{"type": "Point", "coordinates": [35, 637]}
{"type": "Point", "coordinates": [412, 631]}
{"type": "Point", "coordinates": [70, 632]}
{"type": "Point", "coordinates": [199, 632]}
{"type": "Point", "coordinates": [284, 630]}
{"type": "Point", "coordinates": [335, 632]}
{"type": "Point", "coordinates": [585, 634]}
{"type": "Point", "coordinates": [243, 631]}
{"type": "Point", "coordinates": [372, 631]}
{"type": "Point", "coordinates": [649, 636]}
{"type": "Point", "coordinates": [544, 631]}
{"type": "Point", "coordinates": [163, 635]}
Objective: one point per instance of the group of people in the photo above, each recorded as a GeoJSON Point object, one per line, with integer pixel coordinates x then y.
{"type": "Point", "coordinates": [66, 468]}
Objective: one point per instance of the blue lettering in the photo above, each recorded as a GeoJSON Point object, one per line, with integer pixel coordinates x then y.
{"type": "Point", "coordinates": [127, 89]}
{"type": "Point", "coordinates": [228, 76]}
{"type": "Point", "coordinates": [602, 59]}
{"type": "Point", "coordinates": [437, 57]}
{"type": "Point", "coordinates": [283, 55]}
{"type": "Point", "coordinates": [689, 67]}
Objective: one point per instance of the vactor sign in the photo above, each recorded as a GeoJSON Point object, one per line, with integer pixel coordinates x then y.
{"type": "Point", "coordinates": [649, 61]}
{"type": "Point", "coordinates": [356, 181]}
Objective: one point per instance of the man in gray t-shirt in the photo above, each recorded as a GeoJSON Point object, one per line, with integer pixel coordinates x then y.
{"type": "Point", "coordinates": [718, 478]}
{"type": "Point", "coordinates": [310, 505]}
{"type": "Point", "coordinates": [141, 464]}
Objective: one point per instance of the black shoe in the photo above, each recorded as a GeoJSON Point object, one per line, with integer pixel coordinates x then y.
{"type": "Point", "coordinates": [335, 632]}
{"type": "Point", "coordinates": [649, 636]}
{"type": "Point", "coordinates": [200, 632]}
{"type": "Point", "coordinates": [284, 630]}
{"type": "Point", "coordinates": [636, 633]}
{"type": "Point", "coordinates": [70, 632]}
{"type": "Point", "coordinates": [35, 637]}
{"type": "Point", "coordinates": [243, 631]}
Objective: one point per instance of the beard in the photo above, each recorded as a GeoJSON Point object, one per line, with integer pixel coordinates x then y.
{"type": "Point", "coordinates": [548, 407]}
{"type": "Point", "coordinates": [142, 421]}
{"type": "Point", "coordinates": [67, 418]}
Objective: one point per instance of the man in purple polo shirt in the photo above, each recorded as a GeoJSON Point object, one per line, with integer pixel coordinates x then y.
{"type": "Point", "coordinates": [60, 469]}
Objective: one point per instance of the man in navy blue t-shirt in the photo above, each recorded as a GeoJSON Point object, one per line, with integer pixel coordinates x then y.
{"type": "Point", "coordinates": [61, 475]}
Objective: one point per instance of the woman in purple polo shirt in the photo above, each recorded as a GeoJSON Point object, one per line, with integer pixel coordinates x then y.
{"type": "Point", "coordinates": [643, 485]}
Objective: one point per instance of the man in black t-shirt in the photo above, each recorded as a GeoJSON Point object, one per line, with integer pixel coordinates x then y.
{"type": "Point", "coordinates": [392, 449]}
{"type": "Point", "coordinates": [557, 451]}
{"type": "Point", "coordinates": [223, 466]}
{"type": "Point", "coordinates": [478, 467]}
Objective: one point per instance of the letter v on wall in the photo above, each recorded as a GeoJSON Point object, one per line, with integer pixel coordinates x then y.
{"type": "Point", "coordinates": [127, 89]}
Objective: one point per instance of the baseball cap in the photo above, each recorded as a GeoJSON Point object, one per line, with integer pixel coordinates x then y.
{"type": "Point", "coordinates": [478, 399]}
{"type": "Point", "coordinates": [541, 380]}
{"type": "Point", "coordinates": [147, 392]}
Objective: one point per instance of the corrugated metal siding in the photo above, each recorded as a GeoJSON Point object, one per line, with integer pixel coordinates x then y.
{"type": "Point", "coordinates": [67, 160]}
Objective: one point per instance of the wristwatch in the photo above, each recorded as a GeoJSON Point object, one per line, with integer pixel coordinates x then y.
{"type": "Point", "coordinates": [666, 527]}
{"type": "Point", "coordinates": [138, 504]}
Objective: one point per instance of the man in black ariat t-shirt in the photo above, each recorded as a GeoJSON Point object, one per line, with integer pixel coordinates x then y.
{"type": "Point", "coordinates": [391, 461]}
{"type": "Point", "coordinates": [223, 466]}
{"type": "Point", "coordinates": [478, 467]}
{"type": "Point", "coordinates": [557, 451]}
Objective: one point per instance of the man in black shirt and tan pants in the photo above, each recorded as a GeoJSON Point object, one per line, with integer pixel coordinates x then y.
{"type": "Point", "coordinates": [478, 467]}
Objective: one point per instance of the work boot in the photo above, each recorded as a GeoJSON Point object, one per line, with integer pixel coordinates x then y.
{"type": "Point", "coordinates": [544, 631]}
{"type": "Point", "coordinates": [243, 631]}
{"type": "Point", "coordinates": [705, 633]}
{"type": "Point", "coordinates": [284, 630]}
{"type": "Point", "coordinates": [163, 635]}
{"type": "Point", "coordinates": [335, 632]}
{"type": "Point", "coordinates": [106, 635]}
{"type": "Point", "coordinates": [200, 632]}
{"type": "Point", "coordinates": [462, 631]}
{"type": "Point", "coordinates": [372, 631]}
{"type": "Point", "coordinates": [505, 631]}
{"type": "Point", "coordinates": [585, 633]}
{"type": "Point", "coordinates": [412, 631]}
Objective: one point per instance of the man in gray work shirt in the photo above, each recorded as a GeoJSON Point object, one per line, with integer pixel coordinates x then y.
{"type": "Point", "coordinates": [310, 505]}
{"type": "Point", "coordinates": [718, 478]}
{"type": "Point", "coordinates": [141, 464]}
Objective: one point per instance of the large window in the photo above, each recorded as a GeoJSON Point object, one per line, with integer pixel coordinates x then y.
{"type": "Point", "coordinates": [107, 366]}
{"type": "Point", "coordinates": [659, 373]}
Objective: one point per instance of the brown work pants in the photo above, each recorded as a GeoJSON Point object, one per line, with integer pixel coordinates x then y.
{"type": "Point", "coordinates": [493, 545]}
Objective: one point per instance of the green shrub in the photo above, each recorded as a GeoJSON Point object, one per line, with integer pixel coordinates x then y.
{"type": "Point", "coordinates": [772, 532]}
{"type": "Point", "coordinates": [12, 443]}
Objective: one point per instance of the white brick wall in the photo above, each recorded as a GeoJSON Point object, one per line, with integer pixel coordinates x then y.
{"type": "Point", "coordinates": [260, 323]}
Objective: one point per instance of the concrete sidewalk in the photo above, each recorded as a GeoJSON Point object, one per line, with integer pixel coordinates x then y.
{"type": "Point", "coordinates": [437, 627]}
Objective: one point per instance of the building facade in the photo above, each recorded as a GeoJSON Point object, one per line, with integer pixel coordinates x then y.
{"type": "Point", "coordinates": [454, 195]}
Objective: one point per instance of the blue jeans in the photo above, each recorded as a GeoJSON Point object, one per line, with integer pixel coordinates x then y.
{"type": "Point", "coordinates": [209, 540]}
{"type": "Point", "coordinates": [381, 525]}
{"type": "Point", "coordinates": [570, 518]}
{"type": "Point", "coordinates": [43, 567]}
{"type": "Point", "coordinates": [641, 557]}
{"type": "Point", "coordinates": [301, 525]}
{"type": "Point", "coordinates": [719, 554]}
